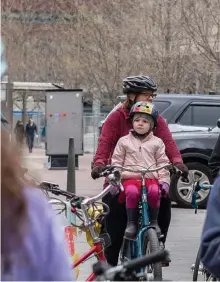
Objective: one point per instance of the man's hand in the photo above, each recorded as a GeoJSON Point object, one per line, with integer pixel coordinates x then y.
{"type": "Point", "coordinates": [183, 169]}
{"type": "Point", "coordinates": [96, 171]}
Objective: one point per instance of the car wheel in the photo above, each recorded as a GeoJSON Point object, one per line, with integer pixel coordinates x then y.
{"type": "Point", "coordinates": [181, 191]}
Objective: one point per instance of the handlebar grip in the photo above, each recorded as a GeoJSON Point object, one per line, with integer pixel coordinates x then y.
{"type": "Point", "coordinates": [206, 186]}
{"type": "Point", "coordinates": [171, 167]}
{"type": "Point", "coordinates": [105, 171]}
{"type": "Point", "coordinates": [103, 174]}
{"type": "Point", "coordinates": [146, 260]}
{"type": "Point", "coordinates": [100, 267]}
{"type": "Point", "coordinates": [108, 170]}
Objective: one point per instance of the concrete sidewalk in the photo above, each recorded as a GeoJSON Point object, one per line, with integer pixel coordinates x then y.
{"type": "Point", "coordinates": [85, 185]}
{"type": "Point", "coordinates": [184, 233]}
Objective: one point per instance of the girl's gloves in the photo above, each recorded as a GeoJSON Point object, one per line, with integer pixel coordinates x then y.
{"type": "Point", "coordinates": [164, 188]}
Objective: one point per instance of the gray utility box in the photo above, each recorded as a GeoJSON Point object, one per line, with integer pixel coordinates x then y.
{"type": "Point", "coordinates": [64, 119]}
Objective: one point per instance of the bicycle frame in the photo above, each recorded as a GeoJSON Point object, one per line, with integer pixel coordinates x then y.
{"type": "Point", "coordinates": [98, 247]}
{"type": "Point", "coordinates": [98, 251]}
{"type": "Point", "coordinates": [137, 246]}
{"type": "Point", "coordinates": [196, 188]}
{"type": "Point", "coordinates": [145, 218]}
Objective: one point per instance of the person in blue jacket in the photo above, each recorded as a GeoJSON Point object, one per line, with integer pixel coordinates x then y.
{"type": "Point", "coordinates": [214, 161]}
{"type": "Point", "coordinates": [210, 246]}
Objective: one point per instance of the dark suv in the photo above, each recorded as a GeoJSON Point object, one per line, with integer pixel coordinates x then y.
{"type": "Point", "coordinates": [192, 121]}
{"type": "Point", "coordinates": [186, 110]}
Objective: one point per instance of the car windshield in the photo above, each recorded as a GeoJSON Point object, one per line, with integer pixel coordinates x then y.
{"type": "Point", "coordinates": [161, 105]}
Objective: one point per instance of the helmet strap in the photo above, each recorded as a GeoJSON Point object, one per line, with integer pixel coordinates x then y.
{"type": "Point", "coordinates": [128, 104]}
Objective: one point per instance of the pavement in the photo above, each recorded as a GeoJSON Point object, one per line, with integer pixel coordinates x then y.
{"type": "Point", "coordinates": [184, 233]}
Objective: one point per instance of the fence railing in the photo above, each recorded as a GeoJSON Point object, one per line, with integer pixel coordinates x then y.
{"type": "Point", "coordinates": [91, 126]}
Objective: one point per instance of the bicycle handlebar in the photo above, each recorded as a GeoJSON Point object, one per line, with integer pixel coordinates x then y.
{"type": "Point", "coordinates": [146, 260]}
{"type": "Point", "coordinates": [114, 168]}
{"type": "Point", "coordinates": [110, 273]}
{"type": "Point", "coordinates": [196, 188]}
{"type": "Point", "coordinates": [54, 189]}
{"type": "Point", "coordinates": [76, 201]}
{"type": "Point", "coordinates": [88, 201]}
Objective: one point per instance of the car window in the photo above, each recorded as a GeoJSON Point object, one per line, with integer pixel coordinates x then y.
{"type": "Point", "coordinates": [161, 105]}
{"type": "Point", "coordinates": [200, 115]}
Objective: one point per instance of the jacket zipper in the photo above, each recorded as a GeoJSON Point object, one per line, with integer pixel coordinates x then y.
{"type": "Point", "coordinates": [140, 147]}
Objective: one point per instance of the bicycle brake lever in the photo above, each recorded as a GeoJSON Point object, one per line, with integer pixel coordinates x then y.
{"type": "Point", "coordinates": [106, 171]}
{"type": "Point", "coordinates": [121, 187]}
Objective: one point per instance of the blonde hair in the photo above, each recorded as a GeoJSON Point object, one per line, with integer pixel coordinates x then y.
{"type": "Point", "coordinates": [13, 201]}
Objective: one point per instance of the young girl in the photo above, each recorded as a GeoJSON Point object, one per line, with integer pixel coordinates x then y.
{"type": "Point", "coordinates": [141, 147]}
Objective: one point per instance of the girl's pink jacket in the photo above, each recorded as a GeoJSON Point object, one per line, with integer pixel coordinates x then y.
{"type": "Point", "coordinates": [148, 153]}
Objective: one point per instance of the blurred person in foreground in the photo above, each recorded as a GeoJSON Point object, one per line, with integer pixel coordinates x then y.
{"type": "Point", "coordinates": [210, 246]}
{"type": "Point", "coordinates": [214, 161]}
{"type": "Point", "coordinates": [32, 244]}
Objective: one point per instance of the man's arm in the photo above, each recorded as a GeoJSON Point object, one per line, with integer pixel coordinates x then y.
{"type": "Point", "coordinates": [214, 161]}
{"type": "Point", "coordinates": [162, 131]}
{"type": "Point", "coordinates": [107, 140]}
{"type": "Point", "coordinates": [36, 129]}
{"type": "Point", "coordinates": [161, 160]}
{"type": "Point", "coordinates": [210, 246]}
{"type": "Point", "coordinates": [26, 130]}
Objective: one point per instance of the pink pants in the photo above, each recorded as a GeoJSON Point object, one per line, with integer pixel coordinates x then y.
{"type": "Point", "coordinates": [132, 192]}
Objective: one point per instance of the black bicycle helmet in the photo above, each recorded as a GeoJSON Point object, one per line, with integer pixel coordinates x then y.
{"type": "Point", "coordinates": [137, 84]}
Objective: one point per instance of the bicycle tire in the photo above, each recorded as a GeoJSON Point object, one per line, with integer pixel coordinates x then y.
{"type": "Point", "coordinates": [151, 238]}
{"type": "Point", "coordinates": [205, 273]}
{"type": "Point", "coordinates": [196, 267]}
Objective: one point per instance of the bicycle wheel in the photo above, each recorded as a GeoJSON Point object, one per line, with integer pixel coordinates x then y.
{"type": "Point", "coordinates": [151, 245]}
{"type": "Point", "coordinates": [198, 268]}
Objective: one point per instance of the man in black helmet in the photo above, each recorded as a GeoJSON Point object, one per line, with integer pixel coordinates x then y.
{"type": "Point", "coordinates": [117, 125]}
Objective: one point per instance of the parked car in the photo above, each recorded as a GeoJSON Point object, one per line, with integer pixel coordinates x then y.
{"type": "Point", "coordinates": [196, 148]}
{"type": "Point", "coordinates": [186, 110]}
{"type": "Point", "coordinates": [192, 121]}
